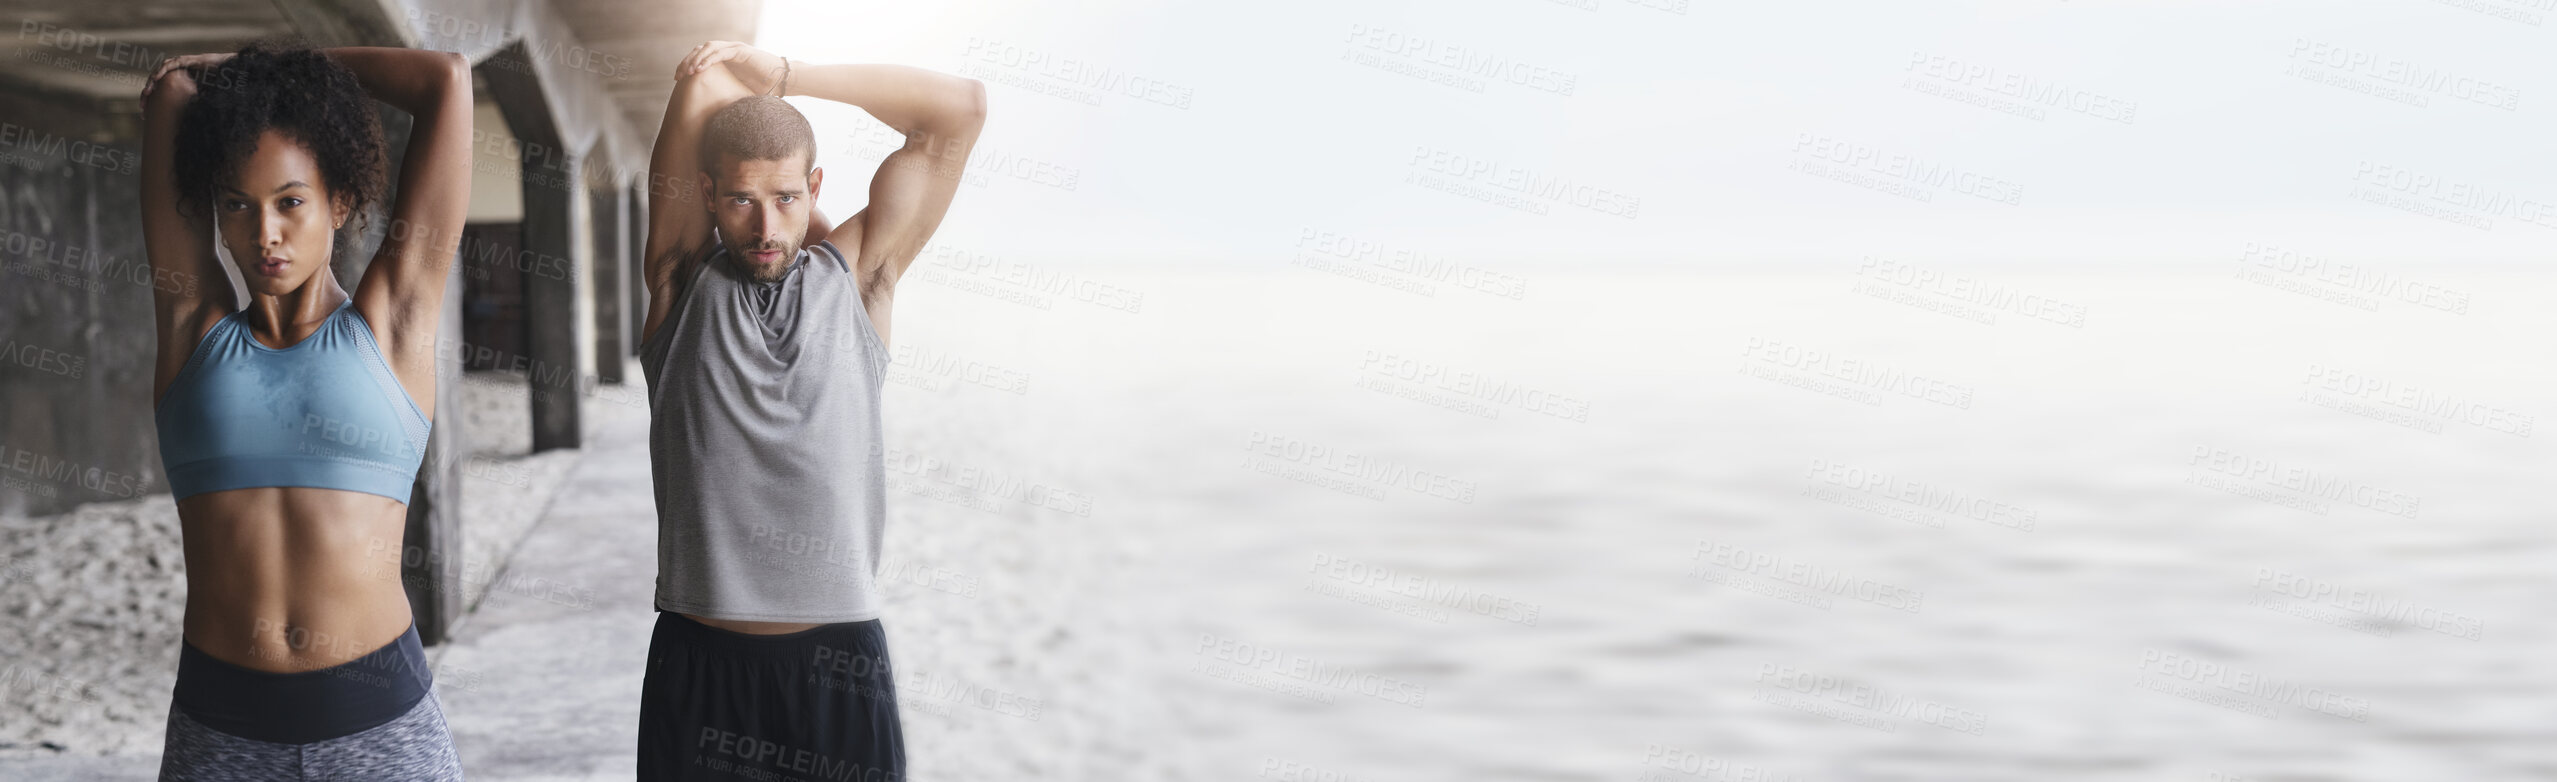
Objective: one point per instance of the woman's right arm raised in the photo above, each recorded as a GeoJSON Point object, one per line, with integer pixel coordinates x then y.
{"type": "Point", "coordinates": [189, 290]}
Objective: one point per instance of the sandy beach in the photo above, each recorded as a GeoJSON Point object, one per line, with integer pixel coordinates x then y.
{"type": "Point", "coordinates": [1770, 524]}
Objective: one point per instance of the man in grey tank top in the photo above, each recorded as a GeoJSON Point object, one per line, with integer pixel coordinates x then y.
{"type": "Point", "coordinates": [765, 350]}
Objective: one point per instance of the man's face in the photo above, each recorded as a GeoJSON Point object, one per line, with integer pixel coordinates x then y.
{"type": "Point", "coordinates": [761, 208]}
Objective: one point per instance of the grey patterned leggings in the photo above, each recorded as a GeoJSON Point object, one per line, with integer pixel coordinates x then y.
{"type": "Point", "coordinates": [416, 746]}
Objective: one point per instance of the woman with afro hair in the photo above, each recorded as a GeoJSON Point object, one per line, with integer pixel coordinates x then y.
{"type": "Point", "coordinates": [292, 423]}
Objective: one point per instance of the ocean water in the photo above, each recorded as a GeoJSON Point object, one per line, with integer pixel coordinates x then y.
{"type": "Point", "coordinates": [1822, 524]}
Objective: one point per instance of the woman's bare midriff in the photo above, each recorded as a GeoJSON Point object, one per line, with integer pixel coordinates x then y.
{"type": "Point", "coordinates": [293, 579]}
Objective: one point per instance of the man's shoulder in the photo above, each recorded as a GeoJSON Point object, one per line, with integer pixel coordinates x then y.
{"type": "Point", "coordinates": [872, 280]}
{"type": "Point", "coordinates": [826, 250]}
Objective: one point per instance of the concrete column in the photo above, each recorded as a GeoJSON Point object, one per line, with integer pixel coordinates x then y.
{"type": "Point", "coordinates": [550, 296]}
{"type": "Point", "coordinates": [431, 552]}
{"type": "Point", "coordinates": [554, 331]}
{"type": "Point", "coordinates": [431, 544]}
{"type": "Point", "coordinates": [635, 229]}
{"type": "Point", "coordinates": [612, 327]}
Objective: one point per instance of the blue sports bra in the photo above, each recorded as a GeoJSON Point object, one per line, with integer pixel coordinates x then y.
{"type": "Point", "coordinates": [325, 413]}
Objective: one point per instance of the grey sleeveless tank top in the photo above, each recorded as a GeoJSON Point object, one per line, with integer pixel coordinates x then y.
{"type": "Point", "coordinates": [765, 446]}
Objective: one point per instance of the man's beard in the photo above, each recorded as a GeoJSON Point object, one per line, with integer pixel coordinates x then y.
{"type": "Point", "coordinates": [761, 273]}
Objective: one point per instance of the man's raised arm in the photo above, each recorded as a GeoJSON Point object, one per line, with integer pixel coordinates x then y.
{"type": "Point", "coordinates": [678, 224]}
{"type": "Point", "coordinates": [940, 116]}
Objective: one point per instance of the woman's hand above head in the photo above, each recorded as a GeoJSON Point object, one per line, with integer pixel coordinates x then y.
{"type": "Point", "coordinates": [177, 74]}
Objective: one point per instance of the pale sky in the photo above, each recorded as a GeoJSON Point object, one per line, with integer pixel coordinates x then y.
{"type": "Point", "coordinates": [2381, 128]}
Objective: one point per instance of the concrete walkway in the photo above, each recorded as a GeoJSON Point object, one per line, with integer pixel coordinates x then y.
{"type": "Point", "coordinates": [541, 681]}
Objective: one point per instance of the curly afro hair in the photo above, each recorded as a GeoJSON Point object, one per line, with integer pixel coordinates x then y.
{"type": "Point", "coordinates": [287, 87]}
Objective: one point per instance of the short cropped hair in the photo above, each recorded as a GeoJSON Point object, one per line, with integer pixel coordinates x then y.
{"type": "Point", "coordinates": [762, 127]}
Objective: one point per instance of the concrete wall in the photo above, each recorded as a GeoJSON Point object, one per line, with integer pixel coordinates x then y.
{"type": "Point", "coordinates": [75, 320]}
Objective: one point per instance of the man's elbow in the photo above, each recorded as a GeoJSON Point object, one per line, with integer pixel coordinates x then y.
{"type": "Point", "coordinates": [972, 105]}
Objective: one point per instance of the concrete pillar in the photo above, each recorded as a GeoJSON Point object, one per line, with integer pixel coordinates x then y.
{"type": "Point", "coordinates": [550, 299]}
{"type": "Point", "coordinates": [434, 573]}
{"type": "Point", "coordinates": [612, 326]}
{"type": "Point", "coordinates": [552, 185]}
{"type": "Point", "coordinates": [635, 231]}
{"type": "Point", "coordinates": [431, 544]}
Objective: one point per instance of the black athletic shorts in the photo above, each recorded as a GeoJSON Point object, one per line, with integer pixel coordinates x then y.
{"type": "Point", "coordinates": [818, 704]}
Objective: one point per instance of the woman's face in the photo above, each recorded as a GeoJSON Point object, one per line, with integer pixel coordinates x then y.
{"type": "Point", "coordinates": [277, 217]}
